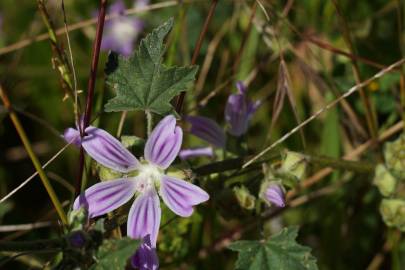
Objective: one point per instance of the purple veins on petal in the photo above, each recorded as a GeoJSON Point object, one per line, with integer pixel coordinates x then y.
{"type": "Point", "coordinates": [144, 217]}
{"type": "Point", "coordinates": [239, 110]}
{"type": "Point", "coordinates": [105, 197]}
{"type": "Point", "coordinates": [275, 195]}
{"type": "Point", "coordinates": [180, 196]}
{"type": "Point", "coordinates": [164, 143]}
{"type": "Point", "coordinates": [145, 257]}
{"type": "Point", "coordinates": [72, 136]}
{"type": "Point", "coordinates": [196, 152]}
{"type": "Point", "coordinates": [108, 151]}
{"type": "Point", "coordinates": [207, 130]}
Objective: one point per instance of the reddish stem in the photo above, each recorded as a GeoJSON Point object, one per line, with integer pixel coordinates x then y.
{"type": "Point", "coordinates": [90, 86]}
{"type": "Point", "coordinates": [180, 99]}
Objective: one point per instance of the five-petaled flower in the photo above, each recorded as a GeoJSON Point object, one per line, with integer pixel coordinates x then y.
{"type": "Point", "coordinates": [160, 151]}
{"type": "Point", "coordinates": [121, 31]}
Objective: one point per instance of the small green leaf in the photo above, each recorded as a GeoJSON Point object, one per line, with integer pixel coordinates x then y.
{"type": "Point", "coordinates": [113, 254]}
{"type": "Point", "coordinates": [142, 82]}
{"type": "Point", "coordinates": [280, 252]}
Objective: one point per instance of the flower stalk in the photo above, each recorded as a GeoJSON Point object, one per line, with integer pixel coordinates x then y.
{"type": "Point", "coordinates": [180, 99]}
{"type": "Point", "coordinates": [33, 157]}
{"type": "Point", "coordinates": [91, 86]}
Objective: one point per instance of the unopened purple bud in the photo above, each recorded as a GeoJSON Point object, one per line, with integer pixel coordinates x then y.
{"type": "Point", "coordinates": [239, 110]}
{"type": "Point", "coordinates": [77, 240]}
{"type": "Point", "coordinates": [196, 152]}
{"type": "Point", "coordinates": [274, 193]}
{"type": "Point", "coordinates": [145, 257]}
{"type": "Point", "coordinates": [207, 130]}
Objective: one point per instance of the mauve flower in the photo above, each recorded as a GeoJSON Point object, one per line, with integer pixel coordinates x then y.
{"type": "Point", "coordinates": [141, 3]}
{"type": "Point", "coordinates": [207, 130]}
{"type": "Point", "coordinates": [120, 32]}
{"type": "Point", "coordinates": [145, 257]}
{"type": "Point", "coordinates": [274, 194]}
{"type": "Point", "coordinates": [161, 149]}
{"type": "Point", "coordinates": [239, 110]}
{"type": "Point", "coordinates": [196, 152]}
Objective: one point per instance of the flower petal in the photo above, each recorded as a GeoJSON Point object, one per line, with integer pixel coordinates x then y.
{"type": "Point", "coordinates": [207, 130]}
{"type": "Point", "coordinates": [72, 135]}
{"type": "Point", "coordinates": [145, 257]}
{"type": "Point", "coordinates": [239, 110]}
{"type": "Point", "coordinates": [196, 152]}
{"type": "Point", "coordinates": [241, 87]}
{"type": "Point", "coordinates": [144, 217]}
{"type": "Point", "coordinates": [275, 195]}
{"type": "Point", "coordinates": [164, 143]}
{"type": "Point", "coordinates": [140, 4]}
{"type": "Point", "coordinates": [236, 114]}
{"type": "Point", "coordinates": [105, 197]}
{"type": "Point", "coordinates": [108, 151]}
{"type": "Point", "coordinates": [117, 8]}
{"type": "Point", "coordinates": [180, 196]}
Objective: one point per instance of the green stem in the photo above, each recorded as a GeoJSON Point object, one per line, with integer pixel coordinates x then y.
{"type": "Point", "coordinates": [149, 122]}
{"type": "Point", "coordinates": [394, 238]}
{"type": "Point", "coordinates": [60, 60]}
{"type": "Point", "coordinates": [236, 163]}
{"type": "Point", "coordinates": [349, 165]}
{"type": "Point", "coordinates": [121, 123]}
{"type": "Point", "coordinates": [34, 159]}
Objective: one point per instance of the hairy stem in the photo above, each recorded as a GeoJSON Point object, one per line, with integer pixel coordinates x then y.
{"type": "Point", "coordinates": [33, 157]}
{"type": "Point", "coordinates": [91, 86]}
{"type": "Point", "coordinates": [149, 122]}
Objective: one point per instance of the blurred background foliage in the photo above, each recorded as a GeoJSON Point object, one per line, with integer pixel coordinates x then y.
{"type": "Point", "coordinates": [343, 227]}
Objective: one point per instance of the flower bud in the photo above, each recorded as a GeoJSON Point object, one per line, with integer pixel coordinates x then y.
{"type": "Point", "coordinates": [245, 199]}
{"type": "Point", "coordinates": [239, 110]}
{"type": "Point", "coordinates": [394, 154]}
{"type": "Point", "coordinates": [273, 193]}
{"type": "Point", "coordinates": [393, 213]}
{"type": "Point", "coordinates": [384, 180]}
{"type": "Point", "coordinates": [77, 239]}
{"type": "Point", "coordinates": [294, 163]}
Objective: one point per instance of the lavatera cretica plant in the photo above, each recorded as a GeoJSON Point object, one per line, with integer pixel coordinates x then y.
{"type": "Point", "coordinates": [160, 151]}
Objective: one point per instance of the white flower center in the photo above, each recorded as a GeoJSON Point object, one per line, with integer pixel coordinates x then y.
{"type": "Point", "coordinates": [149, 176]}
{"type": "Point", "coordinates": [124, 30]}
